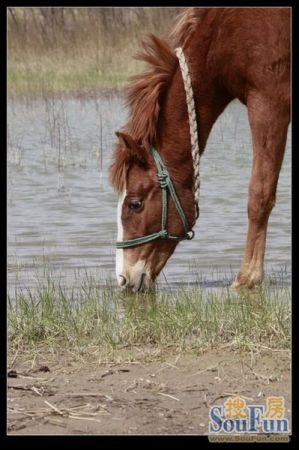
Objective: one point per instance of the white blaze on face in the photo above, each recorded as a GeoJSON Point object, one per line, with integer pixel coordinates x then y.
{"type": "Point", "coordinates": [119, 251]}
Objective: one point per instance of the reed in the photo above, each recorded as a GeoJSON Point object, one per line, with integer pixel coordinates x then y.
{"type": "Point", "coordinates": [62, 49]}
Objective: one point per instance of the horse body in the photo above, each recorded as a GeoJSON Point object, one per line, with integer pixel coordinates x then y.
{"type": "Point", "coordinates": [241, 53]}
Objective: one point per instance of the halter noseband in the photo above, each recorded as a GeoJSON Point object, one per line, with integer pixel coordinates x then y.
{"type": "Point", "coordinates": [167, 187]}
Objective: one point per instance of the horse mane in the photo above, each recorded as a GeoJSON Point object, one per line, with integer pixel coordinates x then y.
{"type": "Point", "coordinates": [186, 25]}
{"type": "Point", "coordinates": [145, 90]}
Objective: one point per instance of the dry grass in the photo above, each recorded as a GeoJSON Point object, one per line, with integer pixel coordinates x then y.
{"type": "Point", "coordinates": [78, 48]}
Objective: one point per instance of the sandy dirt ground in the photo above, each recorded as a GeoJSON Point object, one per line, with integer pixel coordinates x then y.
{"type": "Point", "coordinates": [165, 393]}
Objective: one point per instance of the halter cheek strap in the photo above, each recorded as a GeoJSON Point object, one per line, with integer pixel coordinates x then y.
{"type": "Point", "coordinates": [167, 188]}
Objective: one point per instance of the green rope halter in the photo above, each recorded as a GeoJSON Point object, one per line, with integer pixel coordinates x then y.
{"type": "Point", "coordinates": [167, 187]}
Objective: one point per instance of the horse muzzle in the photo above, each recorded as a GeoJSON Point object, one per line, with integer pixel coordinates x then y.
{"type": "Point", "coordinates": [135, 279]}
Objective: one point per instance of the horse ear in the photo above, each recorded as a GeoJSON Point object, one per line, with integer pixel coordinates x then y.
{"type": "Point", "coordinates": [127, 140]}
{"type": "Point", "coordinates": [136, 153]}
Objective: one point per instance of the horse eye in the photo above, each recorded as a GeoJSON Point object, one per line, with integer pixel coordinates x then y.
{"type": "Point", "coordinates": [136, 205]}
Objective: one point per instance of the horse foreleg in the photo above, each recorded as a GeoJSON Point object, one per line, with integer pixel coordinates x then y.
{"type": "Point", "coordinates": [269, 121]}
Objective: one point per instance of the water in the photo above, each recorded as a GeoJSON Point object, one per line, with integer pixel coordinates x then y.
{"type": "Point", "coordinates": [62, 209]}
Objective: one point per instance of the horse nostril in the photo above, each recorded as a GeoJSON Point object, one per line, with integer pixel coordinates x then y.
{"type": "Point", "coordinates": [123, 280]}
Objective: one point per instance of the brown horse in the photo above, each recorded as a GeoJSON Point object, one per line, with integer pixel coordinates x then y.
{"type": "Point", "coordinates": [241, 53]}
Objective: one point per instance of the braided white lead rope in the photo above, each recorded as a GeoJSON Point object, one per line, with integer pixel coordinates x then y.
{"type": "Point", "coordinates": [192, 120]}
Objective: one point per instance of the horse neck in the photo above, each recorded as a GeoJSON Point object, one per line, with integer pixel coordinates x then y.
{"type": "Point", "coordinates": [173, 132]}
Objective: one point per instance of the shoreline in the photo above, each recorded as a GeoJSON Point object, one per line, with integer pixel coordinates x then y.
{"type": "Point", "coordinates": [79, 93]}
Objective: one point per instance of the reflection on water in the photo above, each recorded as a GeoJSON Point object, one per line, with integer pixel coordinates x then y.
{"type": "Point", "coordinates": [62, 209]}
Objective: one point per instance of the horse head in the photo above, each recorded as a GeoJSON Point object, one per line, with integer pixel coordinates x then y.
{"type": "Point", "coordinates": [149, 223]}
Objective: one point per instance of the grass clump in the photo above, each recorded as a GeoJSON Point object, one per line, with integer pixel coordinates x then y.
{"type": "Point", "coordinates": [54, 316]}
